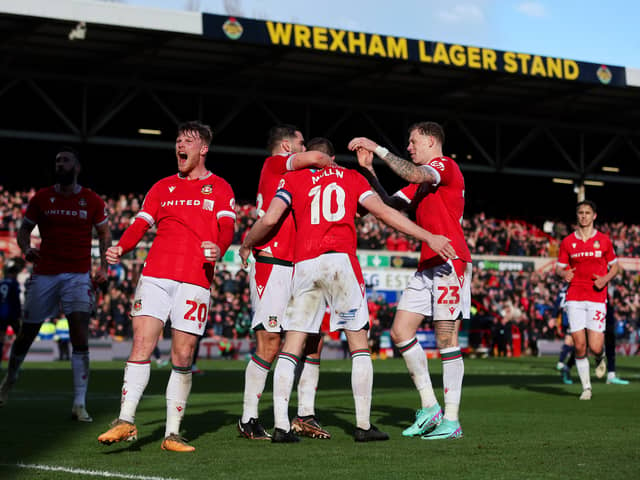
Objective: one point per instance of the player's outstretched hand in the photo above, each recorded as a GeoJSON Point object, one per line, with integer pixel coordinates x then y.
{"type": "Point", "coordinates": [113, 254]}
{"type": "Point", "coordinates": [210, 250]}
{"type": "Point", "coordinates": [32, 254]}
{"type": "Point", "coordinates": [244, 253]}
{"type": "Point", "coordinates": [362, 142]}
{"type": "Point", "coordinates": [442, 246]}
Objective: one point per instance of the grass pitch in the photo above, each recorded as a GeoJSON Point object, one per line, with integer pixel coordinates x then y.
{"type": "Point", "coordinates": [519, 422]}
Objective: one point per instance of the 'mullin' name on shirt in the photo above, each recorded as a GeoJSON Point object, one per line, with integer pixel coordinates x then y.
{"type": "Point", "coordinates": [326, 172]}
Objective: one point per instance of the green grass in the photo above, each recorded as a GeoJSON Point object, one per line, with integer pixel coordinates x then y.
{"type": "Point", "coordinates": [519, 422]}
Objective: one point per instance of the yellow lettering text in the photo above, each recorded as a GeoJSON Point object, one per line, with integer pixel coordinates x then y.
{"type": "Point", "coordinates": [376, 47]}
{"type": "Point", "coordinates": [554, 67]}
{"type": "Point", "coordinates": [359, 42]}
{"type": "Point", "coordinates": [537, 67]}
{"type": "Point", "coordinates": [473, 57]}
{"type": "Point", "coordinates": [489, 59]}
{"type": "Point", "coordinates": [320, 38]}
{"type": "Point", "coordinates": [422, 52]}
{"type": "Point", "coordinates": [524, 58]}
{"type": "Point", "coordinates": [458, 58]}
{"type": "Point", "coordinates": [440, 54]}
{"type": "Point", "coordinates": [510, 65]}
{"type": "Point", "coordinates": [302, 36]}
{"type": "Point", "coordinates": [337, 40]}
{"type": "Point", "coordinates": [397, 48]}
{"type": "Point", "coordinates": [279, 34]}
{"type": "Point", "coordinates": [571, 70]}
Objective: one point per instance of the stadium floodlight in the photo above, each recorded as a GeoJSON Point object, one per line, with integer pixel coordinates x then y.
{"type": "Point", "coordinates": [611, 169]}
{"type": "Point", "coordinates": [566, 181]}
{"type": "Point", "coordinates": [149, 131]}
{"type": "Point", "coordinates": [594, 183]}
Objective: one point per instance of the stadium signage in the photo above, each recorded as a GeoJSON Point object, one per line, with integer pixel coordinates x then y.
{"type": "Point", "coordinates": [333, 40]}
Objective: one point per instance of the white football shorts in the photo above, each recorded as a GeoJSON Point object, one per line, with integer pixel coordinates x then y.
{"type": "Point", "coordinates": [332, 279]}
{"type": "Point", "coordinates": [47, 294]}
{"type": "Point", "coordinates": [187, 305]}
{"type": "Point", "coordinates": [589, 315]}
{"type": "Point", "coordinates": [439, 292]}
{"type": "Point", "coordinates": [270, 288]}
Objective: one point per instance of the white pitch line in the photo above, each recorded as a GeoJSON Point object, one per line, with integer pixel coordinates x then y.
{"type": "Point", "coordinates": [79, 471]}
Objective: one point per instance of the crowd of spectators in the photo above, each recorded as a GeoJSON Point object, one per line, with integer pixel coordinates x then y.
{"type": "Point", "coordinates": [503, 302]}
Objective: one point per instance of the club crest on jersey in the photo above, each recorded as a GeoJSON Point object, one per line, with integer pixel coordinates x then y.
{"type": "Point", "coordinates": [596, 244]}
{"type": "Point", "coordinates": [172, 188]}
{"type": "Point", "coordinates": [82, 202]}
{"type": "Point", "coordinates": [207, 190]}
{"type": "Point", "coordinates": [437, 164]}
{"type": "Point", "coordinates": [137, 305]}
{"type": "Point", "coordinates": [273, 321]}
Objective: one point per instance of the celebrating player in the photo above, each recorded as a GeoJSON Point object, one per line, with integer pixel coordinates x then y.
{"type": "Point", "coordinates": [324, 205]}
{"type": "Point", "coordinates": [270, 284]}
{"type": "Point", "coordinates": [65, 214]}
{"type": "Point", "coordinates": [440, 289]}
{"type": "Point", "coordinates": [195, 216]}
{"type": "Point", "coordinates": [587, 262]}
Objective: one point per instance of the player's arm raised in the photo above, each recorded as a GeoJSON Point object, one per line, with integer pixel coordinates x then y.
{"type": "Point", "coordinates": [409, 171]}
{"type": "Point", "coordinates": [310, 159]}
{"type": "Point", "coordinates": [365, 159]}
{"type": "Point", "coordinates": [438, 243]}
{"type": "Point", "coordinates": [262, 227]}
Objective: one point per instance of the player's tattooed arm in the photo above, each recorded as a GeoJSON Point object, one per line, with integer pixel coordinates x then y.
{"type": "Point", "coordinates": [407, 170]}
{"type": "Point", "coordinates": [393, 201]}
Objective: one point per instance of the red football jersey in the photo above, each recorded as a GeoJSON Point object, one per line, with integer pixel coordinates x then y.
{"type": "Point", "coordinates": [589, 258]}
{"type": "Point", "coordinates": [280, 243]}
{"type": "Point", "coordinates": [186, 213]}
{"type": "Point", "coordinates": [324, 205]}
{"type": "Point", "coordinates": [439, 209]}
{"type": "Point", "coordinates": [66, 223]}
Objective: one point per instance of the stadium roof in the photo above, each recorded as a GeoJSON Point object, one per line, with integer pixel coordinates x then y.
{"type": "Point", "coordinates": [94, 73]}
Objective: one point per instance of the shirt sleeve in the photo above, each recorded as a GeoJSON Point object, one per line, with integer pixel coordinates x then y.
{"type": "Point", "coordinates": [150, 205]}
{"type": "Point", "coordinates": [226, 203]}
{"type": "Point", "coordinates": [100, 213]}
{"type": "Point", "coordinates": [408, 192]}
{"type": "Point", "coordinates": [563, 255]}
{"type": "Point", "coordinates": [33, 210]}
